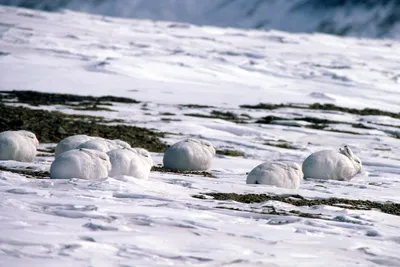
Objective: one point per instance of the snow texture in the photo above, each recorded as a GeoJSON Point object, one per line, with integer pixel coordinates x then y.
{"type": "Point", "coordinates": [378, 19]}
{"type": "Point", "coordinates": [124, 221]}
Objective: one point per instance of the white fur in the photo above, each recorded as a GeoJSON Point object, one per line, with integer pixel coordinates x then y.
{"type": "Point", "coordinates": [280, 174]}
{"type": "Point", "coordinates": [100, 144]}
{"type": "Point", "coordinates": [145, 155]}
{"type": "Point", "coordinates": [336, 165]}
{"type": "Point", "coordinates": [134, 162]}
{"type": "Point", "coordinates": [121, 143]}
{"type": "Point", "coordinates": [97, 143]}
{"type": "Point", "coordinates": [81, 163]}
{"type": "Point", "coordinates": [18, 145]}
{"type": "Point", "coordinates": [189, 155]}
{"type": "Point", "coordinates": [71, 142]}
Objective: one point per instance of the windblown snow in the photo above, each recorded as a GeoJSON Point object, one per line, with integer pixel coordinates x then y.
{"type": "Point", "coordinates": [123, 221]}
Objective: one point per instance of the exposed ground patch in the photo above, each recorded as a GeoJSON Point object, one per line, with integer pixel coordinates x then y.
{"type": "Point", "coordinates": [229, 152]}
{"type": "Point", "coordinates": [297, 200]}
{"type": "Point", "coordinates": [27, 172]}
{"type": "Point", "coordinates": [93, 107]}
{"type": "Point", "coordinates": [167, 114]}
{"type": "Point", "coordinates": [49, 150]}
{"type": "Point", "coordinates": [341, 131]}
{"type": "Point", "coordinates": [318, 106]}
{"type": "Point", "coordinates": [44, 155]}
{"type": "Point", "coordinates": [195, 106]}
{"type": "Point", "coordinates": [310, 122]}
{"type": "Point", "coordinates": [271, 210]}
{"type": "Point", "coordinates": [270, 106]}
{"type": "Point", "coordinates": [169, 119]}
{"type": "Point", "coordinates": [186, 173]}
{"type": "Point", "coordinates": [362, 126]}
{"type": "Point", "coordinates": [35, 98]}
{"type": "Point", "coordinates": [281, 145]}
{"type": "Point", "coordinates": [314, 123]}
{"type": "Point", "coordinates": [361, 112]}
{"type": "Point", "coordinates": [52, 126]}
{"type": "Point", "coordinates": [223, 115]}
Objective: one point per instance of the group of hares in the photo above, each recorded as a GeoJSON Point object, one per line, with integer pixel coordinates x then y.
{"type": "Point", "coordinates": [87, 157]}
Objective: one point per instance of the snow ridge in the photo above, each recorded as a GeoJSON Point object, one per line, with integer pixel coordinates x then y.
{"type": "Point", "coordinates": [377, 19]}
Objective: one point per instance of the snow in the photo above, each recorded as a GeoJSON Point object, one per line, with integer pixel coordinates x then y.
{"type": "Point", "coordinates": [123, 221]}
{"type": "Point", "coordinates": [217, 66]}
{"type": "Point", "coordinates": [378, 19]}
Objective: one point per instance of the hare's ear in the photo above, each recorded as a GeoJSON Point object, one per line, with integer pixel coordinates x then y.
{"type": "Point", "coordinates": [358, 160]}
{"type": "Point", "coordinates": [103, 157]}
{"type": "Point", "coordinates": [348, 151]}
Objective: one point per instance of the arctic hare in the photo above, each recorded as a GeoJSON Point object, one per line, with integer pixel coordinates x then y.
{"type": "Point", "coordinates": [81, 163]}
{"type": "Point", "coordinates": [90, 142]}
{"type": "Point", "coordinates": [134, 162]}
{"type": "Point", "coordinates": [18, 145]}
{"type": "Point", "coordinates": [336, 165]}
{"type": "Point", "coordinates": [189, 155]}
{"type": "Point", "coordinates": [280, 174]}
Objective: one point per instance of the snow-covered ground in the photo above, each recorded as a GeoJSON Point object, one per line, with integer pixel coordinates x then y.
{"type": "Point", "coordinates": [130, 222]}
{"type": "Point", "coordinates": [377, 19]}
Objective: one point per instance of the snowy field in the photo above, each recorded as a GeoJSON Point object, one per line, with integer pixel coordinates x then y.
{"type": "Point", "coordinates": [377, 19]}
{"type": "Point", "coordinates": [124, 221]}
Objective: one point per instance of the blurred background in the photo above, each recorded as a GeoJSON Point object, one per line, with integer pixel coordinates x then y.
{"type": "Point", "coordinates": [361, 18]}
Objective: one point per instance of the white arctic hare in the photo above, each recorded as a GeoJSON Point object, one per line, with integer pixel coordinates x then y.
{"type": "Point", "coordinates": [145, 155]}
{"type": "Point", "coordinates": [329, 164]}
{"type": "Point", "coordinates": [134, 162]}
{"type": "Point", "coordinates": [81, 163]}
{"type": "Point", "coordinates": [280, 174]}
{"type": "Point", "coordinates": [189, 155]}
{"type": "Point", "coordinates": [103, 145]}
{"type": "Point", "coordinates": [74, 141]}
{"type": "Point", "coordinates": [71, 142]}
{"type": "Point", "coordinates": [121, 143]}
{"type": "Point", "coordinates": [18, 145]}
